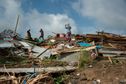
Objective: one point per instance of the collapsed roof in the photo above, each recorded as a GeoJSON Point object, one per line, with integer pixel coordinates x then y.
{"type": "Point", "coordinates": [8, 33]}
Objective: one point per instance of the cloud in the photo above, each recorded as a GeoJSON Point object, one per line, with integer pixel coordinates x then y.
{"type": "Point", "coordinates": [110, 13]}
{"type": "Point", "coordinates": [9, 10]}
{"type": "Point", "coordinates": [32, 19]}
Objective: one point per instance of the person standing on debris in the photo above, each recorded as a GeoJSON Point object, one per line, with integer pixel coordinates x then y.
{"type": "Point", "coordinates": [68, 27]}
{"type": "Point", "coordinates": [28, 35]}
{"type": "Point", "coordinates": [42, 34]}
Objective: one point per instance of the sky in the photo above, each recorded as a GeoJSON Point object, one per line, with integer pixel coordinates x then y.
{"type": "Point", "coordinates": [84, 16]}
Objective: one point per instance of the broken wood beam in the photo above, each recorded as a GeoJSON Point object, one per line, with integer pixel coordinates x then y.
{"type": "Point", "coordinates": [31, 70]}
{"type": "Point", "coordinates": [110, 60]}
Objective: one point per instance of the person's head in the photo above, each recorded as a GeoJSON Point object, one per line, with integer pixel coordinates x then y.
{"type": "Point", "coordinates": [29, 30]}
{"type": "Point", "coordinates": [41, 30]}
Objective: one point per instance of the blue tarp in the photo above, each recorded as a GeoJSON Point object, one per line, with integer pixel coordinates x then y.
{"type": "Point", "coordinates": [83, 44]}
{"type": "Point", "coordinates": [98, 46]}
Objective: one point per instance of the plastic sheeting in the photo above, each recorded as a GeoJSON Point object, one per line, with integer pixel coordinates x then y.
{"type": "Point", "coordinates": [83, 44]}
{"type": "Point", "coordinates": [6, 44]}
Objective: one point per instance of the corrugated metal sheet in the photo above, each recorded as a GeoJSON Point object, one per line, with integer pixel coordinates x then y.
{"type": "Point", "coordinates": [5, 44]}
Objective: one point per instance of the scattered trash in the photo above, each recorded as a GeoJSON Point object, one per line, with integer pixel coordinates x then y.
{"type": "Point", "coordinates": [31, 53]}
{"type": "Point", "coordinates": [90, 66]}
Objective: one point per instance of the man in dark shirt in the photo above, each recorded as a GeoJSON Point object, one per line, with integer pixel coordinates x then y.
{"type": "Point", "coordinates": [29, 35]}
{"type": "Point", "coordinates": [42, 34]}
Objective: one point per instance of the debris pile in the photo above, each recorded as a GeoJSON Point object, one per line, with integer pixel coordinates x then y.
{"type": "Point", "coordinates": [60, 53]}
{"type": "Point", "coordinates": [112, 44]}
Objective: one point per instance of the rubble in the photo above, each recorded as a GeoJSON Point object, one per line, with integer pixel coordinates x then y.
{"type": "Point", "coordinates": [29, 54]}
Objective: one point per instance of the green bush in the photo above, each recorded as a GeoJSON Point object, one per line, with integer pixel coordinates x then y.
{"type": "Point", "coordinates": [84, 58]}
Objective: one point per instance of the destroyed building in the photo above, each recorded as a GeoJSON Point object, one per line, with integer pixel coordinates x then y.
{"type": "Point", "coordinates": [99, 45]}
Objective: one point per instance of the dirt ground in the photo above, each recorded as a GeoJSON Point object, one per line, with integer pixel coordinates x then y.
{"type": "Point", "coordinates": [99, 72]}
{"type": "Point", "coordinates": [102, 72]}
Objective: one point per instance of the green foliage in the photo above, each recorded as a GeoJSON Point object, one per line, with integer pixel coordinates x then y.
{"type": "Point", "coordinates": [61, 79]}
{"type": "Point", "coordinates": [50, 43]}
{"type": "Point", "coordinates": [11, 60]}
{"type": "Point", "coordinates": [115, 61]}
{"type": "Point", "coordinates": [58, 80]}
{"type": "Point", "coordinates": [84, 58]}
{"type": "Point", "coordinates": [51, 58]}
{"type": "Point", "coordinates": [52, 62]}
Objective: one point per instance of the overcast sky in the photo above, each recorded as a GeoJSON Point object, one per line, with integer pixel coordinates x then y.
{"type": "Point", "coordinates": [84, 16]}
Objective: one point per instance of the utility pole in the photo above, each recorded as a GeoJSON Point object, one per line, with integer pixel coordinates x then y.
{"type": "Point", "coordinates": [16, 25]}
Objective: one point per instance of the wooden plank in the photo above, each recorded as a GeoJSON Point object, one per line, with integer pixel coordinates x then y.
{"type": "Point", "coordinates": [77, 50]}
{"type": "Point", "coordinates": [90, 48]}
{"type": "Point", "coordinates": [118, 52]}
{"type": "Point", "coordinates": [112, 45]}
{"type": "Point", "coordinates": [110, 55]}
{"type": "Point", "coordinates": [31, 70]}
{"type": "Point", "coordinates": [110, 60]}
{"type": "Point", "coordinates": [120, 58]}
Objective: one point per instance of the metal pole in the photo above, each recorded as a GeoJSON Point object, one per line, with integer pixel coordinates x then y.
{"type": "Point", "coordinates": [16, 24]}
